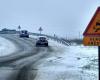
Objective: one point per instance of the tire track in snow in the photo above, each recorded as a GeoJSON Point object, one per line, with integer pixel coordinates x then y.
{"type": "Point", "coordinates": [26, 55]}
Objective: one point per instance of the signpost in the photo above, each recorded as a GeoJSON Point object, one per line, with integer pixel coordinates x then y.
{"type": "Point", "coordinates": [40, 29]}
{"type": "Point", "coordinates": [92, 33]}
{"type": "Point", "coordinates": [19, 27]}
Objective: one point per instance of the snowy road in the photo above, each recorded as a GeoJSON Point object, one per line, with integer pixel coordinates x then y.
{"type": "Point", "coordinates": [16, 65]}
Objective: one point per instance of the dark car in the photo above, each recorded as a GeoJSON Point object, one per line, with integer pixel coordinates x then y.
{"type": "Point", "coordinates": [42, 42]}
{"type": "Point", "coordinates": [24, 33]}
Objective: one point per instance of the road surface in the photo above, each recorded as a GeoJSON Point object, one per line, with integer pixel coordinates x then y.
{"type": "Point", "coordinates": [16, 65]}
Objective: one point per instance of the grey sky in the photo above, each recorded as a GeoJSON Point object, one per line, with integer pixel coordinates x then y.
{"type": "Point", "coordinates": [62, 17]}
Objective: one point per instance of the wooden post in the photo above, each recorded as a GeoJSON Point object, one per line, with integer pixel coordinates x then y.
{"type": "Point", "coordinates": [98, 60]}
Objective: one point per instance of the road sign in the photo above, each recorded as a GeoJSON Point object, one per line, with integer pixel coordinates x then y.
{"type": "Point", "coordinates": [91, 41]}
{"type": "Point", "coordinates": [92, 33]}
{"type": "Point", "coordinates": [40, 29]}
{"type": "Point", "coordinates": [19, 27]}
{"type": "Point", "coordinates": [93, 27]}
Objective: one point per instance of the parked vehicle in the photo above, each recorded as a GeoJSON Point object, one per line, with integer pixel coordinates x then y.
{"type": "Point", "coordinates": [24, 33]}
{"type": "Point", "coordinates": [42, 42]}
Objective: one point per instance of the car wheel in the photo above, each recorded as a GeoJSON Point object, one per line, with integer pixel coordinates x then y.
{"type": "Point", "coordinates": [46, 44]}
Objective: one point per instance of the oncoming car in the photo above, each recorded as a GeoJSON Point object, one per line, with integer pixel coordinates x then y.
{"type": "Point", "coordinates": [24, 33]}
{"type": "Point", "coordinates": [42, 42]}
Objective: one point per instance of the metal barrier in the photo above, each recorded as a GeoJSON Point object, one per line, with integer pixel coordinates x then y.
{"type": "Point", "coordinates": [59, 40]}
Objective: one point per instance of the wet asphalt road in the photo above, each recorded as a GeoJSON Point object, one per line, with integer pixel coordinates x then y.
{"type": "Point", "coordinates": [17, 65]}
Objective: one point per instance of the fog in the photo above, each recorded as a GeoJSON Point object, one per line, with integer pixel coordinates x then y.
{"type": "Point", "coordinates": [65, 18]}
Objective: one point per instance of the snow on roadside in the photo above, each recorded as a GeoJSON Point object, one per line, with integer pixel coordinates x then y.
{"type": "Point", "coordinates": [69, 63]}
{"type": "Point", "coordinates": [6, 47]}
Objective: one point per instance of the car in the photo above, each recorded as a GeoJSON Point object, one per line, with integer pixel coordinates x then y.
{"type": "Point", "coordinates": [42, 42]}
{"type": "Point", "coordinates": [24, 33]}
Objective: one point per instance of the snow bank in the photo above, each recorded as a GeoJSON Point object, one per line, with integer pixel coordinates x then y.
{"type": "Point", "coordinates": [6, 47]}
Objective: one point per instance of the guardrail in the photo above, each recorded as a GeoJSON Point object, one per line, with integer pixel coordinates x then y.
{"type": "Point", "coordinates": [59, 40]}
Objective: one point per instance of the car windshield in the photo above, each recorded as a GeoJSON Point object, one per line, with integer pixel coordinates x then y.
{"type": "Point", "coordinates": [24, 32]}
{"type": "Point", "coordinates": [42, 38]}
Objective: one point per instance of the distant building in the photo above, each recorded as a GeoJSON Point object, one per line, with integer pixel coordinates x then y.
{"type": "Point", "coordinates": [8, 31]}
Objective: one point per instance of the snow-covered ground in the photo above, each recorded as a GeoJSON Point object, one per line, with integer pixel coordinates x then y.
{"type": "Point", "coordinates": [69, 63]}
{"type": "Point", "coordinates": [6, 47]}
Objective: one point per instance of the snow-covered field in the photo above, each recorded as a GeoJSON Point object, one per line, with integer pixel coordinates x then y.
{"type": "Point", "coordinates": [6, 47]}
{"type": "Point", "coordinates": [69, 63]}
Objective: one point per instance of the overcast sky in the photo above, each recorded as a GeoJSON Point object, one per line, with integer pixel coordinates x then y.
{"type": "Point", "coordinates": [61, 17]}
